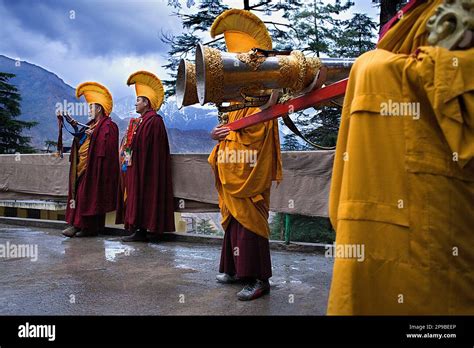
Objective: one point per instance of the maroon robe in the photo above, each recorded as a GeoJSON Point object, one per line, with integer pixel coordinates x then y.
{"type": "Point", "coordinates": [149, 203]}
{"type": "Point", "coordinates": [121, 206]}
{"type": "Point", "coordinates": [245, 254]}
{"type": "Point", "coordinates": [95, 191]}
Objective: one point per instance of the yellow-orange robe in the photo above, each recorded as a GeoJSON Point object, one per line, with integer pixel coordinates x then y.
{"type": "Point", "coordinates": [244, 187]}
{"type": "Point", "coordinates": [403, 186]}
{"type": "Point", "coordinates": [83, 153]}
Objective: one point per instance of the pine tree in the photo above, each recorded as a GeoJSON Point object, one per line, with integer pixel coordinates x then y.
{"type": "Point", "coordinates": [184, 44]}
{"type": "Point", "coordinates": [205, 227]}
{"type": "Point", "coordinates": [318, 24]}
{"type": "Point", "coordinates": [48, 144]}
{"type": "Point", "coordinates": [290, 143]}
{"type": "Point", "coordinates": [388, 9]}
{"type": "Point", "coordinates": [196, 25]}
{"type": "Point", "coordinates": [355, 36]}
{"type": "Point", "coordinates": [11, 138]}
{"type": "Point", "coordinates": [315, 22]}
{"type": "Point", "coordinates": [321, 126]}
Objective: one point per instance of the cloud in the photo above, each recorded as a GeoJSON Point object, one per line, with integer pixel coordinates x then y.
{"type": "Point", "coordinates": [99, 40]}
{"type": "Point", "coordinates": [97, 27]}
{"type": "Point", "coordinates": [102, 41]}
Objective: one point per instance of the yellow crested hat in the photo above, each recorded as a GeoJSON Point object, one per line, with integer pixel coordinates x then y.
{"type": "Point", "coordinates": [242, 31]}
{"type": "Point", "coordinates": [148, 85]}
{"type": "Point", "coordinates": [95, 93]}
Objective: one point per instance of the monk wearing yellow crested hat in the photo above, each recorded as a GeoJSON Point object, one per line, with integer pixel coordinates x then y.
{"type": "Point", "coordinates": [94, 170]}
{"type": "Point", "coordinates": [244, 188]}
{"type": "Point", "coordinates": [146, 202]}
{"type": "Point", "coordinates": [403, 180]}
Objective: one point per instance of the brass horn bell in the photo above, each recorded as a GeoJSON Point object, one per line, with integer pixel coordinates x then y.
{"type": "Point", "coordinates": [186, 92]}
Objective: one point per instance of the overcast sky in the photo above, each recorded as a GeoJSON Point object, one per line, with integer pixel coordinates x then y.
{"type": "Point", "coordinates": [97, 40]}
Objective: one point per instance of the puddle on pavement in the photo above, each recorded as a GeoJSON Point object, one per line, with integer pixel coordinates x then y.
{"type": "Point", "coordinates": [186, 259]}
{"type": "Point", "coordinates": [113, 249]}
{"type": "Point", "coordinates": [18, 232]}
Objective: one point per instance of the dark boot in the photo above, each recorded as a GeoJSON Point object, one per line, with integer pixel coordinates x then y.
{"type": "Point", "coordinates": [138, 236]}
{"type": "Point", "coordinates": [254, 290]}
{"type": "Point", "coordinates": [70, 231]}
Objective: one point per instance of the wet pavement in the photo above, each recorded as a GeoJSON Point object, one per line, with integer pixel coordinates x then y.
{"type": "Point", "coordinates": [103, 276]}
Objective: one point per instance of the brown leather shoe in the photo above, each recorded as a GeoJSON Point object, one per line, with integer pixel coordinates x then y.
{"type": "Point", "coordinates": [254, 290]}
{"type": "Point", "coordinates": [70, 231]}
{"type": "Point", "coordinates": [138, 236]}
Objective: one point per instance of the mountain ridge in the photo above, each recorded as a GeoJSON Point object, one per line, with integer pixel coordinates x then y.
{"type": "Point", "coordinates": [41, 90]}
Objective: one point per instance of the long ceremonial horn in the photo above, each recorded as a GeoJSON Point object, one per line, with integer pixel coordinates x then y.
{"type": "Point", "coordinates": [227, 77]}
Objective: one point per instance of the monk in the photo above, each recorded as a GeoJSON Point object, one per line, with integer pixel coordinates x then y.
{"type": "Point", "coordinates": [94, 169]}
{"type": "Point", "coordinates": [403, 177]}
{"type": "Point", "coordinates": [244, 188]}
{"type": "Point", "coordinates": [146, 201]}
